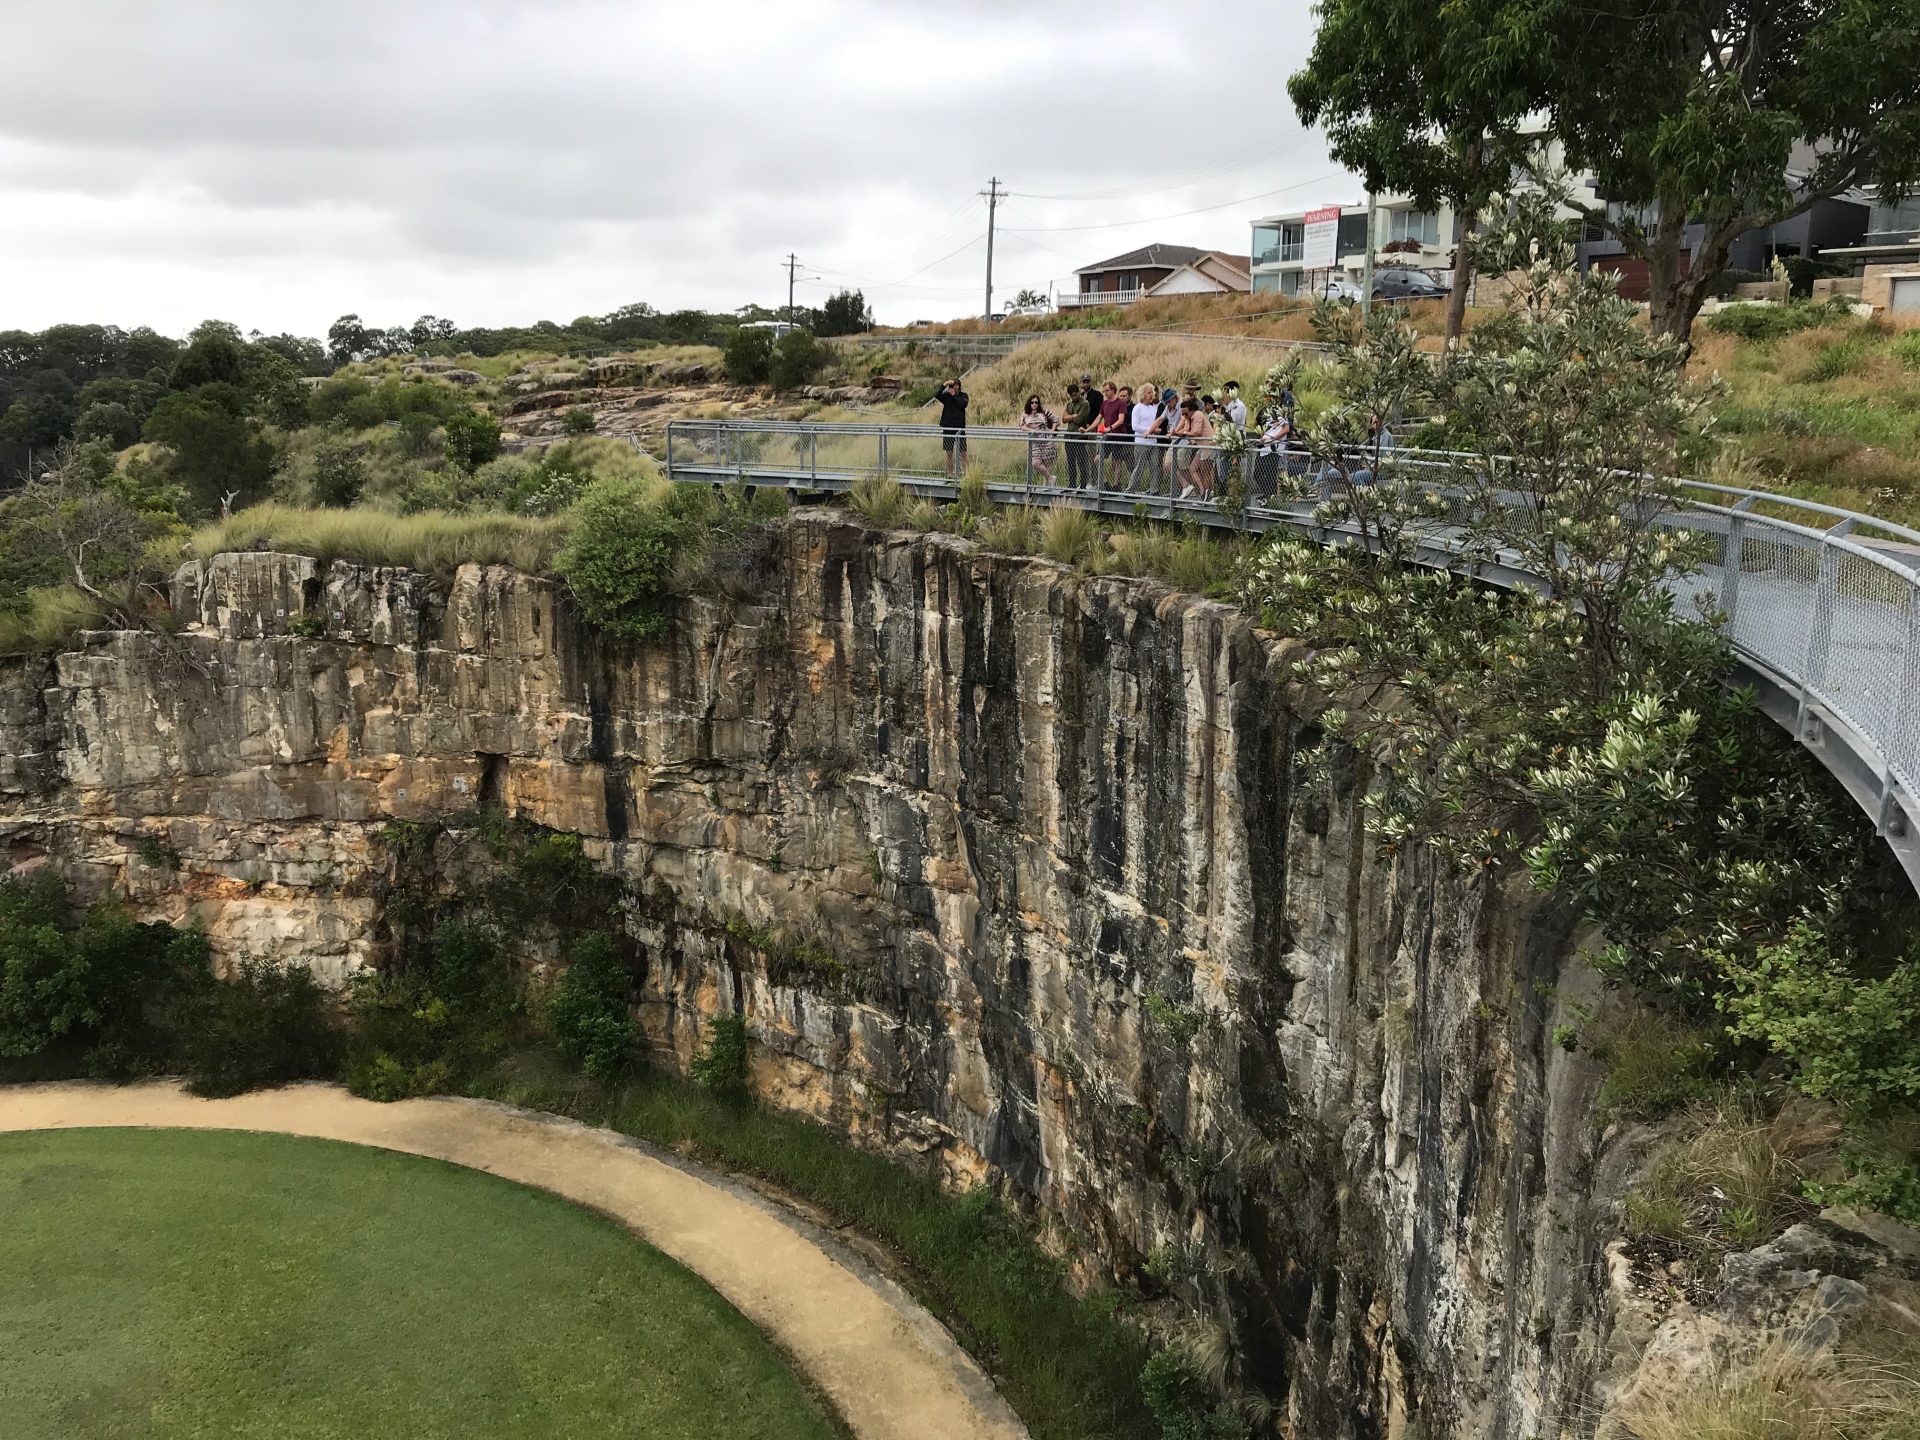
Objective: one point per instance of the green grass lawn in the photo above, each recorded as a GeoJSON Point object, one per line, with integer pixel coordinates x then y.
{"type": "Point", "coordinates": [181, 1283]}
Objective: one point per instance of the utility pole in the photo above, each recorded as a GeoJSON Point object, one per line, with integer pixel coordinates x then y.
{"type": "Point", "coordinates": [1366, 265]}
{"type": "Point", "coordinates": [793, 263]}
{"type": "Point", "coordinates": [993, 192]}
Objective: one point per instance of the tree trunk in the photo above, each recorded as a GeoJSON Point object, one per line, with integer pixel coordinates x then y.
{"type": "Point", "coordinates": [1666, 273]}
{"type": "Point", "coordinates": [1676, 303]}
{"type": "Point", "coordinates": [1464, 218]}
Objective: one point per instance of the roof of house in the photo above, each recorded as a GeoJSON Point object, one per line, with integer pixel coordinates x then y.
{"type": "Point", "coordinates": [1229, 272]}
{"type": "Point", "coordinates": [1148, 257]}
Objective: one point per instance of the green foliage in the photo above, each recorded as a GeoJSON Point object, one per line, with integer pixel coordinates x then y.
{"type": "Point", "coordinates": [473, 438]}
{"type": "Point", "coordinates": [587, 1010]}
{"type": "Point", "coordinates": [1763, 323]}
{"type": "Point", "coordinates": [797, 358]}
{"type": "Point", "coordinates": [1179, 1023]}
{"type": "Point", "coordinates": [1850, 1037]}
{"type": "Point", "coordinates": [435, 1018]}
{"type": "Point", "coordinates": [339, 473]}
{"type": "Point", "coordinates": [95, 992]}
{"type": "Point", "coordinates": [578, 420]}
{"type": "Point", "coordinates": [1655, 1064]}
{"type": "Point", "coordinates": [721, 1065]}
{"type": "Point", "coordinates": [845, 313]}
{"type": "Point", "coordinates": [267, 1024]}
{"type": "Point", "coordinates": [218, 451]}
{"type": "Point", "coordinates": [627, 539]}
{"type": "Point", "coordinates": [747, 356]}
{"type": "Point", "coordinates": [1182, 1402]}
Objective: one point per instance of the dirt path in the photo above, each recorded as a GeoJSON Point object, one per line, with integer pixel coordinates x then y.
{"type": "Point", "coordinates": [884, 1363]}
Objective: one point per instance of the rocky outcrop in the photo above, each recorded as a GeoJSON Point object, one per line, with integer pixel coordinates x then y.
{"type": "Point", "coordinates": [1007, 868]}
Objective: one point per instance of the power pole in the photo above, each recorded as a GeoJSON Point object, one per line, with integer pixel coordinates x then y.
{"type": "Point", "coordinates": [793, 263]}
{"type": "Point", "coordinates": [1366, 265]}
{"type": "Point", "coordinates": [993, 192]}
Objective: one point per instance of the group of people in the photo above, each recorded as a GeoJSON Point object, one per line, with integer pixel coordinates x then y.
{"type": "Point", "coordinates": [1134, 440]}
{"type": "Point", "coordinates": [1153, 440]}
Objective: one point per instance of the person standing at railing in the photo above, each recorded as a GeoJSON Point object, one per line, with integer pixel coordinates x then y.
{"type": "Point", "coordinates": [953, 425]}
{"type": "Point", "coordinates": [1083, 408]}
{"type": "Point", "coordinates": [1193, 463]}
{"type": "Point", "coordinates": [1148, 420]}
{"type": "Point", "coordinates": [1235, 407]}
{"type": "Point", "coordinates": [1112, 407]}
{"type": "Point", "coordinates": [1119, 443]}
{"type": "Point", "coordinates": [1041, 454]}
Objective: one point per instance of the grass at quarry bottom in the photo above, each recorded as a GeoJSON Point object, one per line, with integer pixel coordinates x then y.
{"type": "Point", "coordinates": [175, 1283]}
{"type": "Point", "coordinates": [1069, 1364]}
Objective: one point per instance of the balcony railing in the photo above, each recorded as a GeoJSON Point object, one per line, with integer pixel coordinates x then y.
{"type": "Point", "coordinates": [1091, 298]}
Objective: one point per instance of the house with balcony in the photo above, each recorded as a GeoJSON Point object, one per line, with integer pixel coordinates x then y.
{"type": "Point", "coordinates": [1403, 235]}
{"type": "Point", "coordinates": [1157, 270]}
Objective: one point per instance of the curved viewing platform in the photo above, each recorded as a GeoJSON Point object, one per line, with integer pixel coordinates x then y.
{"type": "Point", "coordinates": [1823, 604]}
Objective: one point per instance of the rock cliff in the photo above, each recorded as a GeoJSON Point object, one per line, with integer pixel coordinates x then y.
{"type": "Point", "coordinates": [1006, 868]}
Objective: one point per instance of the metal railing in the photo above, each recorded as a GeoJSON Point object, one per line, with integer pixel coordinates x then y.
{"type": "Point", "coordinates": [1001, 343]}
{"type": "Point", "coordinates": [1822, 604]}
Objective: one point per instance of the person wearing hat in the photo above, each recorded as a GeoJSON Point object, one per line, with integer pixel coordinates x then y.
{"type": "Point", "coordinates": [1083, 408]}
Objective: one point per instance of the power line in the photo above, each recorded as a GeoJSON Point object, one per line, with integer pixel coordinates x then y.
{"type": "Point", "coordinates": [1181, 214]}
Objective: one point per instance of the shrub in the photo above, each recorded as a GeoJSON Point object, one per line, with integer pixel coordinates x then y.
{"type": "Point", "coordinates": [578, 420]}
{"type": "Point", "coordinates": [1655, 1065]}
{"type": "Point", "coordinates": [434, 1019]}
{"type": "Point", "coordinates": [339, 473]}
{"type": "Point", "coordinates": [722, 1065]}
{"type": "Point", "coordinates": [797, 358]}
{"type": "Point", "coordinates": [95, 992]}
{"type": "Point", "coordinates": [1773, 322]}
{"type": "Point", "coordinates": [1182, 1401]}
{"type": "Point", "coordinates": [1850, 1037]}
{"type": "Point", "coordinates": [1068, 533]}
{"type": "Point", "coordinates": [628, 537]}
{"type": "Point", "coordinates": [267, 1025]}
{"type": "Point", "coordinates": [473, 438]}
{"type": "Point", "coordinates": [748, 357]}
{"type": "Point", "coordinates": [433, 542]}
{"type": "Point", "coordinates": [588, 1008]}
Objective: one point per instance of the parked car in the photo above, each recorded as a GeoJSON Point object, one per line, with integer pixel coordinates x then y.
{"type": "Point", "coordinates": [1340, 288]}
{"type": "Point", "coordinates": [1395, 283]}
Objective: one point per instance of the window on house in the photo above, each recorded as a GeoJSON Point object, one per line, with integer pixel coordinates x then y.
{"type": "Point", "coordinates": [1293, 241]}
{"type": "Point", "coordinates": [1266, 244]}
{"type": "Point", "coordinates": [1421, 228]}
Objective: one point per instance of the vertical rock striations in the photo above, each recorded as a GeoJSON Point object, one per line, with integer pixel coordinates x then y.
{"type": "Point", "coordinates": [1006, 868]}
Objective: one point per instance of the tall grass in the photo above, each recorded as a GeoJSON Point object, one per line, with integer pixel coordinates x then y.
{"type": "Point", "coordinates": [1867, 1389]}
{"type": "Point", "coordinates": [51, 617]}
{"type": "Point", "coordinates": [431, 541]}
{"type": "Point", "coordinates": [1069, 1365]}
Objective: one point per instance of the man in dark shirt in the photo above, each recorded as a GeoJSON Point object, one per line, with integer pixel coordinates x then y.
{"type": "Point", "coordinates": [953, 425]}
{"type": "Point", "coordinates": [1083, 408]}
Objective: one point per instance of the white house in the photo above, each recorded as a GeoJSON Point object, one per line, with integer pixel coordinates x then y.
{"type": "Point", "coordinates": [1403, 235]}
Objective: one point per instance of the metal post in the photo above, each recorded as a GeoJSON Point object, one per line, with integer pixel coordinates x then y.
{"type": "Point", "coordinates": [669, 449]}
{"type": "Point", "coordinates": [1813, 673]}
{"type": "Point", "coordinates": [883, 450]}
{"type": "Point", "coordinates": [1366, 265]}
{"type": "Point", "coordinates": [1736, 557]}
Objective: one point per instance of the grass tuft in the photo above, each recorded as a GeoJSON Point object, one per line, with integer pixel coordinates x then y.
{"type": "Point", "coordinates": [432, 541]}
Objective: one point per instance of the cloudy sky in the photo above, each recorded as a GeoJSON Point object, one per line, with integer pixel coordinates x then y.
{"type": "Point", "coordinates": [277, 164]}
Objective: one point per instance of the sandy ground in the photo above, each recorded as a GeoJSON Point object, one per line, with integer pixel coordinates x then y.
{"type": "Point", "coordinates": [884, 1363]}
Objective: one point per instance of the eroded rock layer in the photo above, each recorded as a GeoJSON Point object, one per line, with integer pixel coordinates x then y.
{"type": "Point", "coordinates": [1006, 868]}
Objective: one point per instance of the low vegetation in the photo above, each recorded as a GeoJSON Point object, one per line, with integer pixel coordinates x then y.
{"type": "Point", "coordinates": [224, 1283]}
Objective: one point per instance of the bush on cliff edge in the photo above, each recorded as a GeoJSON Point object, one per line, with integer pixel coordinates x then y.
{"type": "Point", "coordinates": [628, 538]}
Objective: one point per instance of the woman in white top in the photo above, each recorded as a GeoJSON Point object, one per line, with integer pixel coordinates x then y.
{"type": "Point", "coordinates": [1149, 421]}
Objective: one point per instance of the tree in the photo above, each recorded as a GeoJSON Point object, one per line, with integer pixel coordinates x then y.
{"type": "Point", "coordinates": [1027, 299]}
{"type": "Point", "coordinates": [110, 421]}
{"type": "Point", "coordinates": [306, 355]}
{"type": "Point", "coordinates": [215, 355]}
{"type": "Point", "coordinates": [797, 358]}
{"type": "Point", "coordinates": [348, 340]}
{"type": "Point", "coordinates": [748, 356]}
{"type": "Point", "coordinates": [219, 455]}
{"type": "Point", "coordinates": [845, 313]}
{"type": "Point", "coordinates": [1731, 115]}
{"type": "Point", "coordinates": [339, 473]}
{"type": "Point", "coordinates": [429, 328]}
{"type": "Point", "coordinates": [473, 438]}
{"type": "Point", "coordinates": [96, 522]}
{"type": "Point", "coordinates": [1428, 101]}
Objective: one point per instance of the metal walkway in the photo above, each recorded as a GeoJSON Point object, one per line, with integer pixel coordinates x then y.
{"type": "Point", "coordinates": [1823, 604]}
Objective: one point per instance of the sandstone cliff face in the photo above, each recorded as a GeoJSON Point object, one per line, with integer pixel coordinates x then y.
{"type": "Point", "coordinates": [1095, 939]}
